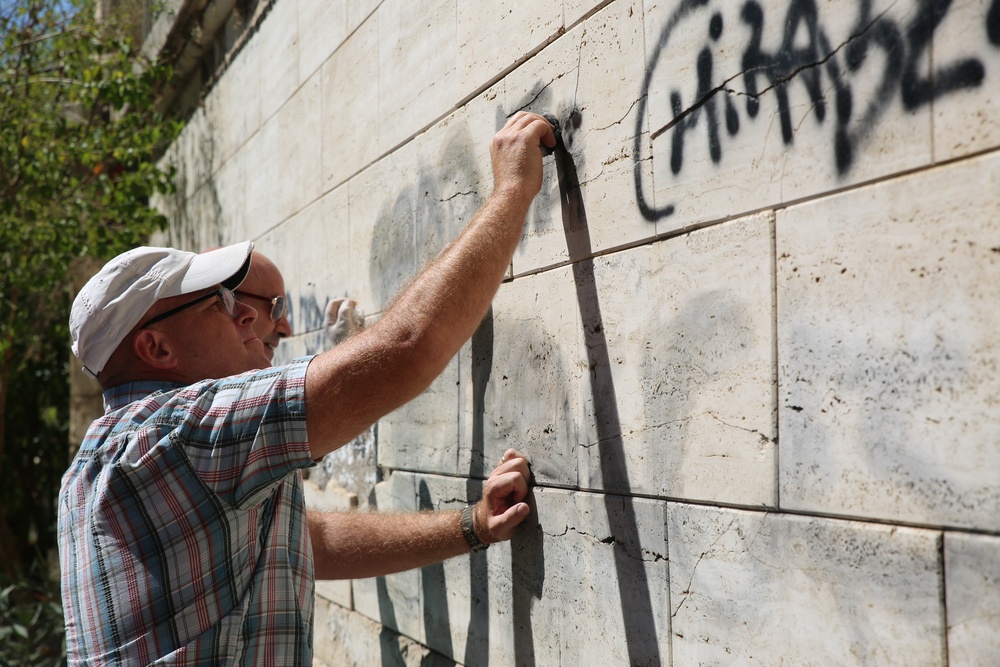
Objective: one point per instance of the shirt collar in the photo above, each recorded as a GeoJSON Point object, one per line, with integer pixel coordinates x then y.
{"type": "Point", "coordinates": [118, 397]}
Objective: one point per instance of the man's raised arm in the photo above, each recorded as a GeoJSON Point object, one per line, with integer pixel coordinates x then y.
{"type": "Point", "coordinates": [351, 386]}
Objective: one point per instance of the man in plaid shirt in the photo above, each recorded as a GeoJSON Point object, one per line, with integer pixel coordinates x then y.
{"type": "Point", "coordinates": [184, 538]}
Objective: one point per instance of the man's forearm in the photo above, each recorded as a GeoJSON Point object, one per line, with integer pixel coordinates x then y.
{"type": "Point", "coordinates": [351, 386]}
{"type": "Point", "coordinates": [355, 545]}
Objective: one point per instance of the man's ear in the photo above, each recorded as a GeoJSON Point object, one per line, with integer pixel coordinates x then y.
{"type": "Point", "coordinates": [154, 349]}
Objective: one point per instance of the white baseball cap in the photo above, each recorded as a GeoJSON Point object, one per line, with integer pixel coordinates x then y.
{"type": "Point", "coordinates": [114, 300]}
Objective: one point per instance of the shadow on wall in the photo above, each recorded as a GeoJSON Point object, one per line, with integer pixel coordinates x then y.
{"type": "Point", "coordinates": [433, 584]}
{"type": "Point", "coordinates": [424, 217]}
{"type": "Point", "coordinates": [528, 400]}
{"type": "Point", "coordinates": [887, 402]}
{"type": "Point", "coordinates": [407, 234]}
{"type": "Point", "coordinates": [477, 642]}
{"type": "Point", "coordinates": [683, 374]}
{"type": "Point", "coordinates": [636, 604]}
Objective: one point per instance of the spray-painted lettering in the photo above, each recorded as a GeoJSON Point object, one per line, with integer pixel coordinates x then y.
{"type": "Point", "coordinates": [890, 52]}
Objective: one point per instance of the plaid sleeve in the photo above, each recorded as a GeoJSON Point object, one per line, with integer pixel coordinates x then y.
{"type": "Point", "coordinates": [181, 527]}
{"type": "Point", "coordinates": [243, 434]}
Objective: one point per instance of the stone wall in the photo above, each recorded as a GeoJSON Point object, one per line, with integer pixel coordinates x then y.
{"type": "Point", "coordinates": [747, 339]}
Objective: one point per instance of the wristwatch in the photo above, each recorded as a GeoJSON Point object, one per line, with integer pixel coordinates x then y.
{"type": "Point", "coordinates": [469, 531]}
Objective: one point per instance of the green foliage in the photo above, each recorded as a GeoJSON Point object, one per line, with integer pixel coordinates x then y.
{"type": "Point", "coordinates": [31, 624]}
{"type": "Point", "coordinates": [79, 136]}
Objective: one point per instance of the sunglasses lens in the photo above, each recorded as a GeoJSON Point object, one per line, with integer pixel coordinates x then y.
{"type": "Point", "coordinates": [228, 301]}
{"type": "Point", "coordinates": [278, 309]}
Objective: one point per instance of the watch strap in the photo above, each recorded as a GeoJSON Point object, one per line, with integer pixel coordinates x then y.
{"type": "Point", "coordinates": [469, 531]}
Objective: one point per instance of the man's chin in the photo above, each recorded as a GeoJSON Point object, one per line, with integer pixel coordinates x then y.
{"type": "Point", "coordinates": [260, 350]}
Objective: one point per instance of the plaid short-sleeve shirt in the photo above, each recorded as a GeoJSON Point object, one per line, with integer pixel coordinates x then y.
{"type": "Point", "coordinates": [182, 532]}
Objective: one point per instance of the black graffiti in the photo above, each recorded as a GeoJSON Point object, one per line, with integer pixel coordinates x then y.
{"type": "Point", "coordinates": [993, 23]}
{"type": "Point", "coordinates": [807, 59]}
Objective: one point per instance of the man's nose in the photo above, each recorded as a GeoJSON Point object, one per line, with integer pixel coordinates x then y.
{"type": "Point", "coordinates": [245, 314]}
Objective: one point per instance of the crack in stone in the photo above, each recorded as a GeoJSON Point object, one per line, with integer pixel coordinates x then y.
{"type": "Point", "coordinates": [612, 541]}
{"type": "Point", "coordinates": [620, 120]}
{"type": "Point", "coordinates": [458, 194]}
{"type": "Point", "coordinates": [687, 589]}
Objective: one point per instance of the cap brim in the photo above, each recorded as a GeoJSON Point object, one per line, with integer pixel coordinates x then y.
{"type": "Point", "coordinates": [226, 266]}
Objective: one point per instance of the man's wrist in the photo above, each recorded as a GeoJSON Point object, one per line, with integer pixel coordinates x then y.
{"type": "Point", "coordinates": [469, 531]}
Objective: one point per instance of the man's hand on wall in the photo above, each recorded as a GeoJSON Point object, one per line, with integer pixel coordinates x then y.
{"type": "Point", "coordinates": [502, 508]}
{"type": "Point", "coordinates": [517, 154]}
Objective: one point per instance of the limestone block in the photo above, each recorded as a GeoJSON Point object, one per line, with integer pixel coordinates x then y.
{"type": "Point", "coordinates": [576, 10]}
{"type": "Point", "coordinates": [443, 188]}
{"type": "Point", "coordinates": [887, 350]}
{"type": "Point", "coordinates": [587, 79]}
{"type": "Point", "coordinates": [224, 217]}
{"type": "Point", "coordinates": [193, 217]}
{"type": "Point", "coordinates": [322, 26]}
{"type": "Point", "coordinates": [278, 43]}
{"type": "Point", "coordinates": [312, 249]}
{"type": "Point", "coordinates": [748, 105]}
{"type": "Point", "coordinates": [484, 115]}
{"type": "Point", "coordinates": [327, 499]}
{"type": "Point", "coordinates": [416, 202]}
{"type": "Point", "coordinates": [233, 115]}
{"type": "Point", "coordinates": [765, 589]}
{"type": "Point", "coordinates": [522, 378]}
{"type": "Point", "coordinates": [360, 11]}
{"type": "Point", "coordinates": [407, 206]}
{"type": "Point", "coordinates": [350, 126]}
{"type": "Point", "coordinates": [410, 204]}
{"type": "Point", "coordinates": [262, 156]}
{"type": "Point", "coordinates": [171, 206]}
{"type": "Point", "coordinates": [587, 584]}
{"type": "Point", "coordinates": [972, 582]}
{"type": "Point", "coordinates": [381, 202]}
{"type": "Point", "coordinates": [299, 177]}
{"type": "Point", "coordinates": [300, 345]}
{"type": "Point", "coordinates": [416, 67]}
{"type": "Point", "coordinates": [966, 75]}
{"type": "Point", "coordinates": [423, 434]}
{"type": "Point", "coordinates": [366, 208]}
{"type": "Point", "coordinates": [394, 600]}
{"type": "Point", "coordinates": [493, 37]}
{"type": "Point", "coordinates": [681, 395]}
{"type": "Point", "coordinates": [347, 639]}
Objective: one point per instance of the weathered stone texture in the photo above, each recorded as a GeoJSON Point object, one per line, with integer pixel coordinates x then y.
{"type": "Point", "coordinates": [972, 582]}
{"type": "Point", "coordinates": [754, 588]}
{"type": "Point", "coordinates": [750, 328]}
{"type": "Point", "coordinates": [887, 352]}
{"type": "Point", "coordinates": [350, 125]}
{"type": "Point", "coordinates": [680, 401]}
